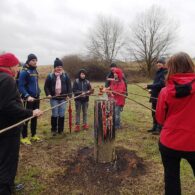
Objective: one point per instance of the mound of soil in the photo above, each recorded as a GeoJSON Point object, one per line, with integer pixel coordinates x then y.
{"type": "Point", "coordinates": [90, 177]}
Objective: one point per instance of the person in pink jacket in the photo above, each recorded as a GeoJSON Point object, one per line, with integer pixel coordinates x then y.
{"type": "Point", "coordinates": [175, 111]}
{"type": "Point", "coordinates": [118, 85]}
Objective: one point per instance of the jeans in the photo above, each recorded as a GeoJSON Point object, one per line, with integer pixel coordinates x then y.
{"type": "Point", "coordinates": [118, 110]}
{"type": "Point", "coordinates": [60, 110]}
{"type": "Point", "coordinates": [171, 162]}
{"type": "Point", "coordinates": [78, 106]}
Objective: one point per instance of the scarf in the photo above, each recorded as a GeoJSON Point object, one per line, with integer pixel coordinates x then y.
{"type": "Point", "coordinates": [58, 88]}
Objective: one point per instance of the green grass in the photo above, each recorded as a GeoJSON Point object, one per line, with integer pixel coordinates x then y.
{"type": "Point", "coordinates": [40, 164]}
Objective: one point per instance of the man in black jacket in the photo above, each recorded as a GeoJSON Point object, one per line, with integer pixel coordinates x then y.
{"type": "Point", "coordinates": [11, 112]}
{"type": "Point", "coordinates": [158, 84]}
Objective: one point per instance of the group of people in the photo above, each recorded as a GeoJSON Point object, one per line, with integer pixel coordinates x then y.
{"type": "Point", "coordinates": [20, 99]}
{"type": "Point", "coordinates": [172, 98]}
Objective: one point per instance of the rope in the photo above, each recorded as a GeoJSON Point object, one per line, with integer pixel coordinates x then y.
{"type": "Point", "coordinates": [27, 119]}
{"type": "Point", "coordinates": [132, 100]}
{"type": "Point", "coordinates": [142, 95]}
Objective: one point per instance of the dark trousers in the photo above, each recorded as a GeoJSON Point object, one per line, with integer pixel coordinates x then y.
{"type": "Point", "coordinates": [9, 152]}
{"type": "Point", "coordinates": [171, 162]}
{"type": "Point", "coordinates": [153, 113]}
{"type": "Point", "coordinates": [33, 125]}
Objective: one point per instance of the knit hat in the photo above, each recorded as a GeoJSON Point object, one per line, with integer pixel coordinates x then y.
{"type": "Point", "coordinates": [8, 60]}
{"type": "Point", "coordinates": [161, 60]}
{"type": "Point", "coordinates": [57, 63]}
{"type": "Point", "coordinates": [113, 65]}
{"type": "Point", "coordinates": [31, 57]}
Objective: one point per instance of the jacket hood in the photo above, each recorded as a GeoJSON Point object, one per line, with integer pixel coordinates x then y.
{"type": "Point", "coordinates": [82, 71]}
{"type": "Point", "coordinates": [181, 84]}
{"type": "Point", "coordinates": [119, 72]}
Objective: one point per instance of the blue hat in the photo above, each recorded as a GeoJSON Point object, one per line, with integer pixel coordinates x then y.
{"type": "Point", "coordinates": [31, 57]}
{"type": "Point", "coordinates": [161, 60]}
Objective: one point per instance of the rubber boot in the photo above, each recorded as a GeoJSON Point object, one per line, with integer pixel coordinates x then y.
{"type": "Point", "coordinates": [60, 125]}
{"type": "Point", "coordinates": [54, 125]}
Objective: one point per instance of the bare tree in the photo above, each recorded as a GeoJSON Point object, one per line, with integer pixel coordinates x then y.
{"type": "Point", "coordinates": [106, 39]}
{"type": "Point", "coordinates": [152, 35]}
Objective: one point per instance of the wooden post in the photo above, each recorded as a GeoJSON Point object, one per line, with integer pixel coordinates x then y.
{"type": "Point", "coordinates": [104, 130]}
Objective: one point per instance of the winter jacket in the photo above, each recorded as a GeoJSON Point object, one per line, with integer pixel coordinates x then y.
{"type": "Point", "coordinates": [175, 111]}
{"type": "Point", "coordinates": [158, 83]}
{"type": "Point", "coordinates": [79, 86]}
{"type": "Point", "coordinates": [28, 82]}
{"type": "Point", "coordinates": [50, 84]}
{"type": "Point", "coordinates": [110, 75]}
{"type": "Point", "coordinates": [119, 87]}
{"type": "Point", "coordinates": [11, 108]}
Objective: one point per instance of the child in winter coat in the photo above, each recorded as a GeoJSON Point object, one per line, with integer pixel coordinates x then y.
{"type": "Point", "coordinates": [175, 111]}
{"type": "Point", "coordinates": [58, 88]}
{"type": "Point", "coordinates": [81, 85]}
{"type": "Point", "coordinates": [118, 85]}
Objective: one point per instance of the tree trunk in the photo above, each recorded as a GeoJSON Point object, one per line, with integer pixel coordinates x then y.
{"type": "Point", "coordinates": [104, 131]}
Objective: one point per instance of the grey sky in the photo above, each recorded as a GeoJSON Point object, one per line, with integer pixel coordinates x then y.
{"type": "Point", "coordinates": [54, 28]}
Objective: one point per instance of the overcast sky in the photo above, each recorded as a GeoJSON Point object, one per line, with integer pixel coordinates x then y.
{"type": "Point", "coordinates": [54, 28]}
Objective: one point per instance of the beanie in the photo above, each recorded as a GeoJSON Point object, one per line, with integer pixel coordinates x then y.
{"type": "Point", "coordinates": [31, 57]}
{"type": "Point", "coordinates": [57, 63]}
{"type": "Point", "coordinates": [161, 60]}
{"type": "Point", "coordinates": [113, 65]}
{"type": "Point", "coordinates": [8, 60]}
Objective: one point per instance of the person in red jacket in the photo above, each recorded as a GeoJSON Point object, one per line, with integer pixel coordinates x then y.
{"type": "Point", "coordinates": [175, 112]}
{"type": "Point", "coordinates": [118, 85]}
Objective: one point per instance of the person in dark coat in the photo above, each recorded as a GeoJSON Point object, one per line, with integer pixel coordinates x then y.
{"type": "Point", "coordinates": [58, 88]}
{"type": "Point", "coordinates": [30, 92]}
{"type": "Point", "coordinates": [155, 87]}
{"type": "Point", "coordinates": [81, 85]}
{"type": "Point", "coordinates": [11, 112]}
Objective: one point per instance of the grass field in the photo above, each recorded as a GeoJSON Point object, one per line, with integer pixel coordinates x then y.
{"type": "Point", "coordinates": [42, 164]}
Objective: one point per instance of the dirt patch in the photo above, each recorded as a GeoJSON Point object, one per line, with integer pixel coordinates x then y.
{"type": "Point", "coordinates": [90, 177]}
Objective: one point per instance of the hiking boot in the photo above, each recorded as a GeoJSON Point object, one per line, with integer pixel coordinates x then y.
{"type": "Point", "coordinates": [152, 129]}
{"type": "Point", "coordinates": [157, 130]}
{"type": "Point", "coordinates": [54, 133]}
{"type": "Point", "coordinates": [19, 187]}
{"type": "Point", "coordinates": [25, 141]}
{"type": "Point", "coordinates": [77, 128]}
{"type": "Point", "coordinates": [85, 126]}
{"type": "Point", "coordinates": [35, 138]}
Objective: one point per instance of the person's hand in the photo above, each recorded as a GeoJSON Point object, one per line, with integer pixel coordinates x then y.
{"type": "Point", "coordinates": [30, 99]}
{"type": "Point", "coordinates": [49, 96]}
{"type": "Point", "coordinates": [37, 112]}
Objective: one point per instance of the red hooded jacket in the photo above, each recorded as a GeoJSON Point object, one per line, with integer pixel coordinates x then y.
{"type": "Point", "coordinates": [118, 86]}
{"type": "Point", "coordinates": [177, 114]}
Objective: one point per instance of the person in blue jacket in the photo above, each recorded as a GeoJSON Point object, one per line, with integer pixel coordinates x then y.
{"type": "Point", "coordinates": [30, 92]}
{"type": "Point", "coordinates": [155, 88]}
